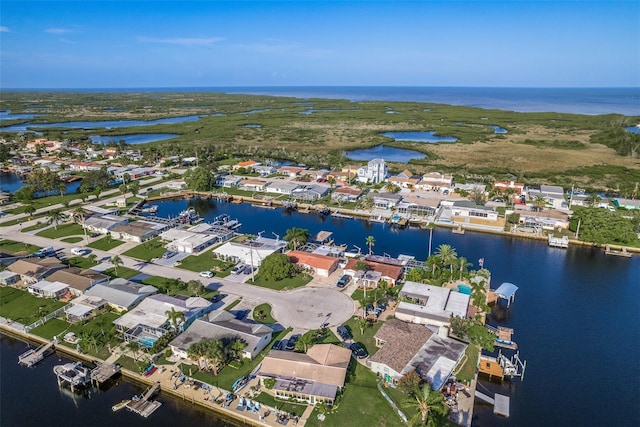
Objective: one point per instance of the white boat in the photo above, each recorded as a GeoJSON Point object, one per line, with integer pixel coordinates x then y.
{"type": "Point", "coordinates": [120, 405]}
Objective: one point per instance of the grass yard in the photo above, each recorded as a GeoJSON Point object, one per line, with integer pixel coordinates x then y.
{"type": "Point", "coordinates": [233, 304]}
{"type": "Point", "coordinates": [129, 363]}
{"type": "Point", "coordinates": [366, 339]}
{"type": "Point", "coordinates": [124, 272]}
{"type": "Point", "coordinates": [262, 314]}
{"type": "Point", "coordinates": [466, 372]}
{"type": "Point", "coordinates": [361, 403]}
{"type": "Point", "coordinates": [74, 239]}
{"type": "Point", "coordinates": [20, 306]}
{"type": "Point", "coordinates": [148, 250]}
{"type": "Point", "coordinates": [37, 226]}
{"type": "Point", "coordinates": [296, 281]}
{"type": "Point", "coordinates": [105, 244]}
{"type": "Point", "coordinates": [81, 262]}
{"type": "Point", "coordinates": [52, 328]}
{"type": "Point", "coordinates": [64, 230]}
{"type": "Point", "coordinates": [290, 407]}
{"type": "Point", "coordinates": [17, 248]}
{"type": "Point", "coordinates": [205, 262]}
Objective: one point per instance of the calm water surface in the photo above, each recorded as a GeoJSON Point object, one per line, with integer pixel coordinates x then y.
{"type": "Point", "coordinates": [428, 136]}
{"type": "Point", "coordinates": [141, 138]}
{"type": "Point", "coordinates": [390, 154]}
{"type": "Point", "coordinates": [109, 124]}
{"type": "Point", "coordinates": [11, 182]}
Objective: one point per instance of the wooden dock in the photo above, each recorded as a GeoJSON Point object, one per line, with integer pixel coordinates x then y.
{"type": "Point", "coordinates": [103, 372]}
{"type": "Point", "coordinates": [33, 357]}
{"type": "Point", "coordinates": [144, 406]}
{"type": "Point", "coordinates": [622, 252]}
{"type": "Point", "coordinates": [490, 366]}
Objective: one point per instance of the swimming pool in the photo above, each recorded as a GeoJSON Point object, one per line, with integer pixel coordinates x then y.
{"type": "Point", "coordinates": [464, 289]}
{"type": "Point", "coordinates": [148, 341]}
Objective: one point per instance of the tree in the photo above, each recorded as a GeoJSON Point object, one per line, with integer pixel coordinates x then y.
{"type": "Point", "coordinates": [463, 265]}
{"type": "Point", "coordinates": [24, 194]}
{"type": "Point", "coordinates": [277, 266]}
{"type": "Point", "coordinates": [365, 203]}
{"type": "Point", "coordinates": [416, 274]}
{"type": "Point", "coordinates": [296, 237]}
{"type": "Point", "coordinates": [30, 210]}
{"type": "Point", "coordinates": [175, 317]}
{"type": "Point", "coordinates": [56, 217]}
{"type": "Point", "coordinates": [593, 200]}
{"type": "Point", "coordinates": [447, 255]}
{"type": "Point", "coordinates": [479, 335]}
{"type": "Point", "coordinates": [459, 326]}
{"type": "Point", "coordinates": [236, 347]}
{"type": "Point", "coordinates": [92, 258]}
{"type": "Point", "coordinates": [539, 202]}
{"type": "Point", "coordinates": [211, 350]}
{"type": "Point", "coordinates": [409, 382]}
{"type": "Point", "coordinates": [199, 179]}
{"type": "Point", "coordinates": [362, 323]}
{"type": "Point", "coordinates": [477, 196]}
{"type": "Point", "coordinates": [134, 347]}
{"type": "Point", "coordinates": [601, 226]}
{"type": "Point", "coordinates": [123, 188]}
{"type": "Point", "coordinates": [117, 262]}
{"type": "Point", "coordinates": [304, 342]}
{"type": "Point", "coordinates": [371, 241]}
{"type": "Point", "coordinates": [430, 405]}
{"type": "Point", "coordinates": [134, 187]}
{"type": "Point", "coordinates": [195, 287]}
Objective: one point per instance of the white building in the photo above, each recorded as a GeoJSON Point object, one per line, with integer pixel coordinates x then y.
{"type": "Point", "coordinates": [433, 305]}
{"type": "Point", "coordinates": [374, 172]}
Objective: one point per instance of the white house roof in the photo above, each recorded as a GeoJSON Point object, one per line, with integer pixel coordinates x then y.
{"type": "Point", "coordinates": [152, 311]}
{"type": "Point", "coordinates": [437, 302]}
{"type": "Point", "coordinates": [47, 286]}
{"type": "Point", "coordinates": [121, 292]}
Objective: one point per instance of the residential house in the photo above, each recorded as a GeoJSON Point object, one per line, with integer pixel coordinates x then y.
{"type": "Point", "coordinates": [413, 205]}
{"type": "Point", "coordinates": [314, 377]}
{"type": "Point", "coordinates": [250, 252]}
{"type": "Point", "coordinates": [376, 271]}
{"type": "Point", "coordinates": [291, 171]}
{"type": "Point", "coordinates": [346, 194]}
{"type": "Point", "coordinates": [196, 238]}
{"type": "Point", "coordinates": [84, 166]}
{"type": "Point", "coordinates": [149, 320]}
{"type": "Point", "coordinates": [176, 185]}
{"type": "Point", "coordinates": [227, 181]}
{"type": "Point", "coordinates": [83, 308]}
{"type": "Point", "coordinates": [246, 165]}
{"type": "Point", "coordinates": [281, 187]}
{"type": "Point", "coordinates": [252, 184]}
{"type": "Point", "coordinates": [322, 265]}
{"type": "Point", "coordinates": [374, 172]}
{"type": "Point", "coordinates": [343, 177]}
{"type": "Point", "coordinates": [121, 294]}
{"type": "Point", "coordinates": [47, 289]}
{"type": "Point", "coordinates": [552, 194]}
{"type": "Point", "coordinates": [137, 231]}
{"type": "Point", "coordinates": [432, 305]}
{"type": "Point", "coordinates": [468, 209]}
{"type": "Point", "coordinates": [310, 192]}
{"type": "Point", "coordinates": [548, 219]}
{"type": "Point", "coordinates": [405, 179]}
{"type": "Point", "coordinates": [32, 270]}
{"type": "Point", "coordinates": [385, 201]}
{"type": "Point", "coordinates": [518, 187]}
{"type": "Point", "coordinates": [78, 279]}
{"type": "Point", "coordinates": [630, 204]}
{"type": "Point", "coordinates": [264, 170]}
{"type": "Point", "coordinates": [224, 326]}
{"type": "Point", "coordinates": [103, 224]}
{"type": "Point", "coordinates": [435, 181]}
{"type": "Point", "coordinates": [8, 278]}
{"type": "Point", "coordinates": [407, 347]}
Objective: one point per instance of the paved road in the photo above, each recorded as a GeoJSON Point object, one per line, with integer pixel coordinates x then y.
{"type": "Point", "coordinates": [302, 309]}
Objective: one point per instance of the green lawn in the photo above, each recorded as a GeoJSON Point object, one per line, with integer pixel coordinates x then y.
{"type": "Point", "coordinates": [17, 248]}
{"type": "Point", "coordinates": [129, 363]}
{"type": "Point", "coordinates": [81, 262]}
{"type": "Point", "coordinates": [43, 202]}
{"type": "Point", "coordinates": [52, 328]}
{"type": "Point", "coordinates": [296, 281]}
{"type": "Point", "coordinates": [361, 403]}
{"type": "Point", "coordinates": [233, 304]}
{"type": "Point", "coordinates": [467, 371]}
{"type": "Point", "coordinates": [124, 272]}
{"type": "Point", "coordinates": [105, 244]}
{"type": "Point", "coordinates": [204, 262]}
{"type": "Point", "coordinates": [63, 230]}
{"type": "Point", "coordinates": [290, 407]}
{"type": "Point", "coordinates": [20, 306]}
{"type": "Point", "coordinates": [74, 239]}
{"type": "Point", "coordinates": [37, 226]}
{"type": "Point", "coordinates": [148, 250]}
{"type": "Point", "coordinates": [262, 314]}
{"type": "Point", "coordinates": [365, 339]}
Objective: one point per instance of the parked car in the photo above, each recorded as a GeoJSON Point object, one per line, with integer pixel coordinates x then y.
{"type": "Point", "coordinates": [80, 251]}
{"type": "Point", "coordinates": [217, 297]}
{"type": "Point", "coordinates": [206, 274]}
{"type": "Point", "coordinates": [169, 254]}
{"type": "Point", "coordinates": [277, 345]}
{"type": "Point", "coordinates": [247, 269]}
{"type": "Point", "coordinates": [344, 332]}
{"type": "Point", "coordinates": [237, 269]}
{"type": "Point", "coordinates": [343, 281]}
{"type": "Point", "coordinates": [381, 305]}
{"type": "Point", "coordinates": [358, 351]}
{"type": "Point", "coordinates": [44, 252]}
{"type": "Point", "coordinates": [291, 342]}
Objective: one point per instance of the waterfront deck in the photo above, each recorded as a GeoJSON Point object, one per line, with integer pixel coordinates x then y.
{"type": "Point", "coordinates": [33, 357]}
{"type": "Point", "coordinates": [490, 366]}
{"type": "Point", "coordinates": [143, 406]}
{"type": "Point", "coordinates": [558, 242]}
{"type": "Point", "coordinates": [103, 372]}
{"type": "Point", "coordinates": [622, 252]}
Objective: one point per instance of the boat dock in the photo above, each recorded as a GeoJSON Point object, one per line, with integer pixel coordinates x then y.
{"type": "Point", "coordinates": [73, 374]}
{"type": "Point", "coordinates": [622, 252]}
{"type": "Point", "coordinates": [32, 357]}
{"type": "Point", "coordinates": [500, 403]}
{"type": "Point", "coordinates": [558, 242]}
{"type": "Point", "coordinates": [103, 372]}
{"type": "Point", "coordinates": [143, 406]}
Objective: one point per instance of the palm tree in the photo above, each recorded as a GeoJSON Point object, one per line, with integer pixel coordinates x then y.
{"type": "Point", "coordinates": [134, 346]}
{"type": "Point", "coordinates": [116, 261]}
{"type": "Point", "coordinates": [304, 342]}
{"type": "Point", "coordinates": [371, 241]}
{"type": "Point", "coordinates": [296, 237]}
{"type": "Point", "coordinates": [174, 316]}
{"type": "Point", "coordinates": [92, 258]}
{"type": "Point", "coordinates": [30, 210]}
{"type": "Point", "coordinates": [593, 200]}
{"type": "Point", "coordinates": [215, 353]}
{"type": "Point", "coordinates": [464, 265]}
{"type": "Point", "coordinates": [429, 404]}
{"type": "Point", "coordinates": [236, 347]}
{"type": "Point", "coordinates": [56, 217]}
{"type": "Point", "coordinates": [366, 203]}
{"type": "Point", "coordinates": [197, 351]}
{"type": "Point", "coordinates": [447, 255]}
{"type": "Point", "coordinates": [539, 202]}
{"type": "Point", "coordinates": [362, 324]}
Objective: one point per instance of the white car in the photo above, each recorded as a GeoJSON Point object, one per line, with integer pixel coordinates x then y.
{"type": "Point", "coordinates": [80, 251]}
{"type": "Point", "coordinates": [207, 274]}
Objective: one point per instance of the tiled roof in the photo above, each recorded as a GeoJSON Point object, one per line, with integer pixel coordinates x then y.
{"type": "Point", "coordinates": [402, 342]}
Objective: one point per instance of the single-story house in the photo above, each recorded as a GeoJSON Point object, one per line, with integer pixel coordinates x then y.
{"type": "Point", "coordinates": [518, 187]}
{"type": "Point", "coordinates": [149, 320]}
{"type": "Point", "coordinates": [291, 171]}
{"type": "Point", "coordinates": [248, 164]}
{"type": "Point", "coordinates": [264, 170]}
{"type": "Point", "coordinates": [549, 219]}
{"type": "Point", "coordinates": [316, 376]}
{"type": "Point", "coordinates": [552, 194]}
{"type": "Point", "coordinates": [281, 187]}
{"type": "Point", "coordinates": [47, 289]}
{"type": "Point", "coordinates": [222, 325]}
{"type": "Point", "coordinates": [32, 270]}
{"type": "Point", "coordinates": [196, 238]}
{"type": "Point", "coordinates": [346, 194]}
{"type": "Point", "coordinates": [250, 252]}
{"type": "Point", "coordinates": [414, 205]}
{"type": "Point", "coordinates": [620, 202]}
{"type": "Point", "coordinates": [385, 200]}
{"type": "Point", "coordinates": [468, 209]}
{"type": "Point", "coordinates": [78, 279]}
{"type": "Point", "coordinates": [435, 181]}
{"type": "Point", "coordinates": [137, 231]}
{"type": "Point", "coordinates": [387, 272]}
{"type": "Point", "coordinates": [121, 294]}
{"type": "Point", "coordinates": [8, 278]}
{"type": "Point", "coordinates": [407, 347]}
{"type": "Point", "coordinates": [176, 185]}
{"type": "Point", "coordinates": [252, 184]}
{"type": "Point", "coordinates": [405, 179]}
{"type": "Point", "coordinates": [322, 265]}
{"type": "Point", "coordinates": [433, 305]}
{"type": "Point", "coordinates": [83, 308]}
{"type": "Point", "coordinates": [227, 181]}
{"type": "Point", "coordinates": [310, 192]}
{"type": "Point", "coordinates": [103, 224]}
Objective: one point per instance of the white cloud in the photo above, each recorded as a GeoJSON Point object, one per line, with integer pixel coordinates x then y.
{"type": "Point", "coordinates": [58, 31]}
{"type": "Point", "coordinates": [183, 41]}
{"type": "Point", "coordinates": [4, 29]}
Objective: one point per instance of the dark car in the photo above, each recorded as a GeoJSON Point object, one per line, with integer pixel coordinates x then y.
{"type": "Point", "coordinates": [217, 297]}
{"type": "Point", "coordinates": [358, 351]}
{"type": "Point", "coordinates": [291, 342]}
{"type": "Point", "coordinates": [382, 305]}
{"type": "Point", "coordinates": [344, 332]}
{"type": "Point", "coordinates": [247, 269]}
{"type": "Point", "coordinates": [343, 281]}
{"type": "Point", "coordinates": [277, 345]}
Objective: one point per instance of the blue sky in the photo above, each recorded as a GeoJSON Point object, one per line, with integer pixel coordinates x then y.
{"type": "Point", "coordinates": [105, 44]}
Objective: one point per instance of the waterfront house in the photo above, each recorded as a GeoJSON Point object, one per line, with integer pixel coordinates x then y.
{"type": "Point", "coordinates": [374, 172]}
{"type": "Point", "coordinates": [468, 209]}
{"type": "Point", "coordinates": [322, 265]}
{"type": "Point", "coordinates": [121, 294]}
{"type": "Point", "coordinates": [385, 201]}
{"type": "Point", "coordinates": [84, 166]}
{"type": "Point", "coordinates": [367, 278]}
{"type": "Point", "coordinates": [224, 326]}
{"type": "Point", "coordinates": [195, 239]}
{"type": "Point", "coordinates": [47, 289]}
{"type": "Point", "coordinates": [413, 205]}
{"type": "Point", "coordinates": [78, 279]}
{"type": "Point", "coordinates": [281, 187]}
{"type": "Point", "coordinates": [291, 171]}
{"type": "Point", "coordinates": [246, 165]}
{"type": "Point", "coordinates": [264, 170]}
{"type": "Point", "coordinates": [314, 377]}
{"type": "Point", "coordinates": [227, 181]}
{"type": "Point", "coordinates": [346, 194]}
{"type": "Point", "coordinates": [32, 270]}
{"type": "Point", "coordinates": [407, 347]}
{"type": "Point", "coordinates": [432, 305]}
{"type": "Point", "coordinates": [553, 195]}
{"type": "Point", "coordinates": [83, 308]}
{"type": "Point", "coordinates": [548, 219]}
{"type": "Point", "coordinates": [149, 320]}
{"type": "Point", "coordinates": [137, 231]}
{"type": "Point", "coordinates": [103, 224]}
{"type": "Point", "coordinates": [252, 184]}
{"type": "Point", "coordinates": [310, 193]}
{"type": "Point", "coordinates": [176, 185]}
{"type": "Point", "coordinates": [249, 252]}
